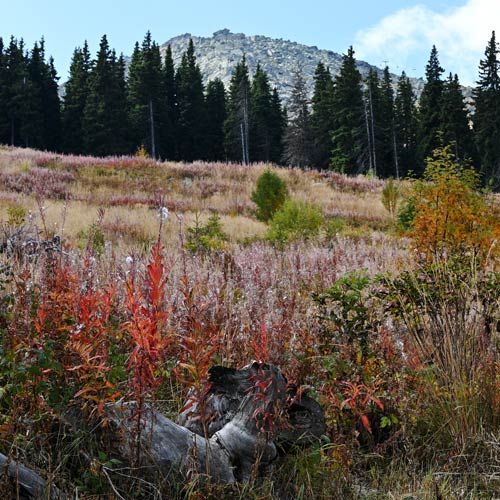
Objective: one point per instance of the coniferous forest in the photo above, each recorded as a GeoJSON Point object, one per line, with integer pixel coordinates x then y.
{"type": "Point", "coordinates": [350, 125]}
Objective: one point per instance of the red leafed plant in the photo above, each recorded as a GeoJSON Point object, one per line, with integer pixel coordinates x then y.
{"type": "Point", "coordinates": [357, 398]}
{"type": "Point", "coordinates": [147, 331]}
{"type": "Point", "coordinates": [199, 340]}
{"type": "Point", "coordinates": [88, 344]}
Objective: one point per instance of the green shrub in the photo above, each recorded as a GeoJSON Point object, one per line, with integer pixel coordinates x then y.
{"type": "Point", "coordinates": [93, 238]}
{"type": "Point", "coordinates": [269, 195]}
{"type": "Point", "coordinates": [16, 215]}
{"type": "Point", "coordinates": [295, 220]}
{"type": "Point", "coordinates": [407, 213]}
{"type": "Point", "coordinates": [334, 226]}
{"type": "Point", "coordinates": [207, 237]}
{"type": "Point", "coordinates": [390, 196]}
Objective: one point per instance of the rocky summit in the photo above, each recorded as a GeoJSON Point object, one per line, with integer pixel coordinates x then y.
{"type": "Point", "coordinates": [219, 54]}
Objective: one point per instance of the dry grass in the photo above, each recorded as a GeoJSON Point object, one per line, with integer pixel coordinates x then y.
{"type": "Point", "coordinates": [73, 188]}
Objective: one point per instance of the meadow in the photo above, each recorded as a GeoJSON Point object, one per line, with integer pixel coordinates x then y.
{"type": "Point", "coordinates": [163, 270]}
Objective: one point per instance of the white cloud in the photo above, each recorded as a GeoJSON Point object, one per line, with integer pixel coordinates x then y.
{"type": "Point", "coordinates": [405, 38]}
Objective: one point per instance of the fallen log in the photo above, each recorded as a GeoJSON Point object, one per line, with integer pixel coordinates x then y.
{"type": "Point", "coordinates": [304, 417]}
{"type": "Point", "coordinates": [29, 484]}
{"type": "Point", "coordinates": [237, 442]}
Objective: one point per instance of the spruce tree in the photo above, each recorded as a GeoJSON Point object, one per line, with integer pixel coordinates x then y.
{"type": "Point", "coordinates": [298, 139]}
{"type": "Point", "coordinates": [455, 129]}
{"type": "Point", "coordinates": [260, 117]}
{"type": "Point", "coordinates": [487, 114]}
{"type": "Point", "coordinates": [430, 111]}
{"type": "Point", "coordinates": [373, 120]}
{"type": "Point", "coordinates": [216, 114]}
{"type": "Point", "coordinates": [14, 92]}
{"type": "Point", "coordinates": [146, 99]}
{"type": "Point", "coordinates": [119, 142]}
{"type": "Point", "coordinates": [32, 125]}
{"type": "Point", "coordinates": [3, 110]}
{"type": "Point", "coordinates": [191, 107]}
{"type": "Point", "coordinates": [169, 121]}
{"type": "Point", "coordinates": [52, 108]}
{"type": "Point", "coordinates": [387, 152]}
{"type": "Point", "coordinates": [277, 120]}
{"type": "Point", "coordinates": [105, 122]}
{"type": "Point", "coordinates": [237, 125]}
{"type": "Point", "coordinates": [405, 127]}
{"type": "Point", "coordinates": [75, 98]}
{"type": "Point", "coordinates": [322, 116]}
{"type": "Point", "coordinates": [349, 137]}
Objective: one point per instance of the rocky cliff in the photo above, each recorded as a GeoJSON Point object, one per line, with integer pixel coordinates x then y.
{"type": "Point", "coordinates": [218, 56]}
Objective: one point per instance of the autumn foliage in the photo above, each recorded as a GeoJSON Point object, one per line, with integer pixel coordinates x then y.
{"type": "Point", "coordinates": [452, 214]}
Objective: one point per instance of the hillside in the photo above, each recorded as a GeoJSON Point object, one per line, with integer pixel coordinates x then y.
{"type": "Point", "coordinates": [219, 54]}
{"type": "Point", "coordinates": [130, 288]}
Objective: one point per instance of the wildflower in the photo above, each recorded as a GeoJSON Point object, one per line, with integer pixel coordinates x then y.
{"type": "Point", "coordinates": [129, 259]}
{"type": "Point", "coordinates": [163, 214]}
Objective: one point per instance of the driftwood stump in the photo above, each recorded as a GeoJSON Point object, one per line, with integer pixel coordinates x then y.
{"type": "Point", "coordinates": [247, 413]}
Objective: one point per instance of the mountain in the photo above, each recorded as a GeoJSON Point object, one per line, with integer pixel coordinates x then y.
{"type": "Point", "coordinates": [219, 54]}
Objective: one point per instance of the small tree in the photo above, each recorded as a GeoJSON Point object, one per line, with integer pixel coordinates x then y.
{"type": "Point", "coordinates": [390, 196]}
{"type": "Point", "coordinates": [295, 220]}
{"type": "Point", "coordinates": [269, 195]}
{"type": "Point", "coordinates": [452, 216]}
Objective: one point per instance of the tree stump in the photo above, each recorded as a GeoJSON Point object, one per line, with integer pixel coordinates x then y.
{"type": "Point", "coordinates": [246, 412]}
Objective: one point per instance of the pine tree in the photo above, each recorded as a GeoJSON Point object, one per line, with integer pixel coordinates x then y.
{"type": "Point", "coordinates": [455, 129]}
{"type": "Point", "coordinates": [216, 114]}
{"type": "Point", "coordinates": [277, 121]}
{"type": "Point", "coordinates": [349, 137]}
{"type": "Point", "coordinates": [260, 117]}
{"type": "Point", "coordinates": [430, 111]}
{"type": "Point", "coordinates": [52, 108]}
{"type": "Point", "coordinates": [75, 98]}
{"type": "Point", "coordinates": [41, 125]}
{"type": "Point", "coordinates": [387, 153]}
{"type": "Point", "coordinates": [405, 127]}
{"type": "Point", "coordinates": [170, 117]}
{"type": "Point", "coordinates": [191, 107]}
{"type": "Point", "coordinates": [237, 125]}
{"type": "Point", "coordinates": [14, 92]}
{"type": "Point", "coordinates": [298, 139]}
{"type": "Point", "coordinates": [373, 119]}
{"type": "Point", "coordinates": [146, 98]}
{"type": "Point", "coordinates": [487, 115]}
{"type": "Point", "coordinates": [32, 125]}
{"type": "Point", "coordinates": [105, 122]}
{"type": "Point", "coordinates": [322, 116]}
{"type": "Point", "coordinates": [119, 142]}
{"type": "Point", "coordinates": [3, 110]}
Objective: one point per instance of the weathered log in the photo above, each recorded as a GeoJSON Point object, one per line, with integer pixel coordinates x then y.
{"type": "Point", "coordinates": [31, 485]}
{"type": "Point", "coordinates": [238, 439]}
{"type": "Point", "coordinates": [304, 421]}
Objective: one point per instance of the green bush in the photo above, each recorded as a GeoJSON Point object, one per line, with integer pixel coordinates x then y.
{"type": "Point", "coordinates": [207, 237]}
{"type": "Point", "coordinates": [269, 195]}
{"type": "Point", "coordinates": [334, 226]}
{"type": "Point", "coordinates": [295, 220]}
{"type": "Point", "coordinates": [407, 213]}
{"type": "Point", "coordinates": [16, 215]}
{"type": "Point", "coordinates": [390, 196]}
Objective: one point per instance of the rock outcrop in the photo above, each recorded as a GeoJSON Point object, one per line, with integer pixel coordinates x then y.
{"type": "Point", "coordinates": [218, 56]}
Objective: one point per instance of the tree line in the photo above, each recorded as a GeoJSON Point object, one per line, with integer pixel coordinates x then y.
{"type": "Point", "coordinates": [351, 125]}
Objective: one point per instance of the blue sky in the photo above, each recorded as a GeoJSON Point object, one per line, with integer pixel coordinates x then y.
{"type": "Point", "coordinates": [400, 32]}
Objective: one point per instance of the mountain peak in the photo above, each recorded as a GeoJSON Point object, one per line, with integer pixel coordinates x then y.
{"type": "Point", "coordinates": [218, 56]}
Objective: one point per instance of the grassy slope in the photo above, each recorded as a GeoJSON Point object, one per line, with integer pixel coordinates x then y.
{"type": "Point", "coordinates": [254, 284]}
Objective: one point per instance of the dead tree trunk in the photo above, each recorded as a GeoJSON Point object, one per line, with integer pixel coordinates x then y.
{"type": "Point", "coordinates": [242, 412]}
{"type": "Point", "coordinates": [29, 483]}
